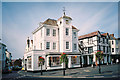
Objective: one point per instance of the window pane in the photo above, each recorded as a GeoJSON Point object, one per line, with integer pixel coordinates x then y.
{"type": "Point", "coordinates": [54, 45]}
{"type": "Point", "coordinates": [67, 45]}
{"type": "Point", "coordinates": [54, 32]}
{"type": "Point", "coordinates": [75, 47]}
{"type": "Point", "coordinates": [48, 45]}
{"type": "Point", "coordinates": [54, 61]}
{"type": "Point", "coordinates": [48, 32]}
{"type": "Point", "coordinates": [67, 31]}
{"type": "Point", "coordinates": [90, 49]}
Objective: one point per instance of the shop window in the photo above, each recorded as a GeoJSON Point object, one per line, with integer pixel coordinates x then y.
{"type": "Point", "coordinates": [75, 60]}
{"type": "Point", "coordinates": [29, 62]}
{"type": "Point", "coordinates": [54, 61]}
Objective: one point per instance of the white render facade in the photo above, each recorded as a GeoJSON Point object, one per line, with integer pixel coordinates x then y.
{"type": "Point", "coordinates": [50, 40]}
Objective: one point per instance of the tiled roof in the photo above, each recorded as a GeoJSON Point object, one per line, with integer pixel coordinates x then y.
{"type": "Point", "coordinates": [112, 37]}
{"type": "Point", "coordinates": [54, 23]}
{"type": "Point", "coordinates": [50, 22]}
{"type": "Point", "coordinates": [89, 35]}
{"type": "Point", "coordinates": [65, 17]}
{"type": "Point", "coordinates": [74, 28]}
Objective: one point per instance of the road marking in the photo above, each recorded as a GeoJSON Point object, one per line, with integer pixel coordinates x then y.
{"type": "Point", "coordinates": [98, 76]}
{"type": "Point", "coordinates": [87, 70]}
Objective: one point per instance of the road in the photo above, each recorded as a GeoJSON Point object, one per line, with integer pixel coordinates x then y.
{"type": "Point", "coordinates": [108, 71]}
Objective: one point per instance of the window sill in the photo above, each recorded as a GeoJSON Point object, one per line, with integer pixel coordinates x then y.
{"type": "Point", "coordinates": [55, 66]}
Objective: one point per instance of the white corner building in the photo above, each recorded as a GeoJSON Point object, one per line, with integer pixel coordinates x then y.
{"type": "Point", "coordinates": [50, 40]}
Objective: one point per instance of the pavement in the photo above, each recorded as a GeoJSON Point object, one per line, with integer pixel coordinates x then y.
{"type": "Point", "coordinates": [108, 71]}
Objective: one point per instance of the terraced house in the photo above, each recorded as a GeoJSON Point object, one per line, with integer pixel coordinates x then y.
{"type": "Point", "coordinates": [90, 43]}
{"type": "Point", "coordinates": [50, 40]}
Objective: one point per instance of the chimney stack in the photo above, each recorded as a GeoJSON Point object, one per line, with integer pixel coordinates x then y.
{"type": "Point", "coordinates": [28, 42]}
{"type": "Point", "coordinates": [112, 35]}
{"type": "Point", "coordinates": [32, 41]}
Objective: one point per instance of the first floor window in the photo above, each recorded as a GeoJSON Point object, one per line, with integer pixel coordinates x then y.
{"type": "Point", "coordinates": [54, 45]}
{"type": "Point", "coordinates": [90, 49]}
{"type": "Point", "coordinates": [74, 34]}
{"type": "Point", "coordinates": [67, 31]}
{"type": "Point", "coordinates": [67, 45]}
{"type": "Point", "coordinates": [104, 49]}
{"type": "Point", "coordinates": [107, 49]}
{"type": "Point", "coordinates": [112, 42]}
{"type": "Point", "coordinates": [112, 49]}
{"type": "Point", "coordinates": [75, 47]}
{"type": "Point", "coordinates": [47, 45]}
{"type": "Point", "coordinates": [41, 45]}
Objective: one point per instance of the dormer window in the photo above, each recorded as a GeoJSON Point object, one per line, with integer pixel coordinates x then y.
{"type": "Point", "coordinates": [67, 22]}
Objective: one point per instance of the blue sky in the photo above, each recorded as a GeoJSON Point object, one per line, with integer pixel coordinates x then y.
{"type": "Point", "coordinates": [20, 19]}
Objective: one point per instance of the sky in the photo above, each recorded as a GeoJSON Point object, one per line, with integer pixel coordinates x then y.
{"type": "Point", "coordinates": [19, 19]}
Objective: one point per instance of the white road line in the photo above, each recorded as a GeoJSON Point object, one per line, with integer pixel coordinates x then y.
{"type": "Point", "coordinates": [98, 76]}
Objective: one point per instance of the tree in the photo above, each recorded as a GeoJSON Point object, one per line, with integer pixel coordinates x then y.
{"type": "Point", "coordinates": [64, 60]}
{"type": "Point", "coordinates": [41, 62]}
{"type": "Point", "coordinates": [99, 57]}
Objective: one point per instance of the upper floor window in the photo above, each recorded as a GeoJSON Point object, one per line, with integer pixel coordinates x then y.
{"type": "Point", "coordinates": [75, 47]}
{"type": "Point", "coordinates": [112, 49]}
{"type": "Point", "coordinates": [90, 49]}
{"type": "Point", "coordinates": [90, 40]}
{"type": "Point", "coordinates": [60, 22]}
{"type": "Point", "coordinates": [67, 31]}
{"type": "Point", "coordinates": [74, 34]}
{"type": "Point", "coordinates": [67, 22]}
{"type": "Point", "coordinates": [54, 32]}
{"type": "Point", "coordinates": [107, 41]}
{"type": "Point", "coordinates": [99, 39]}
{"type": "Point", "coordinates": [81, 42]}
{"type": "Point", "coordinates": [47, 45]}
{"type": "Point", "coordinates": [67, 45]}
{"type": "Point", "coordinates": [99, 47]}
{"type": "Point", "coordinates": [104, 49]}
{"type": "Point", "coordinates": [41, 45]}
{"type": "Point", "coordinates": [48, 32]}
{"type": "Point", "coordinates": [112, 42]}
{"type": "Point", "coordinates": [107, 49]}
{"type": "Point", "coordinates": [54, 45]}
{"type": "Point", "coordinates": [103, 40]}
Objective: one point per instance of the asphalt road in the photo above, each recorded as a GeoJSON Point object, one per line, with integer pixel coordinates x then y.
{"type": "Point", "coordinates": [108, 71]}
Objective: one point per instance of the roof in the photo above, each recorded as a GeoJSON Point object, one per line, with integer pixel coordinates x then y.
{"type": "Point", "coordinates": [89, 35]}
{"type": "Point", "coordinates": [50, 22]}
{"type": "Point", "coordinates": [112, 37]}
{"type": "Point", "coordinates": [74, 28]}
{"type": "Point", "coordinates": [65, 17]}
{"type": "Point", "coordinates": [54, 23]}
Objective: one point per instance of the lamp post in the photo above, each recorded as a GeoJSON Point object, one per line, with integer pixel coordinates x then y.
{"type": "Point", "coordinates": [99, 66]}
{"type": "Point", "coordinates": [63, 59]}
{"type": "Point", "coordinates": [41, 67]}
{"type": "Point", "coordinates": [64, 67]}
